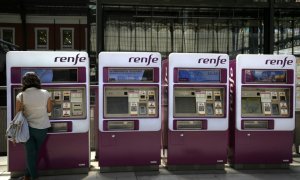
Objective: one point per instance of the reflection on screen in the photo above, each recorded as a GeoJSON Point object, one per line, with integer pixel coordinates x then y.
{"type": "Point", "coordinates": [185, 105]}
{"type": "Point", "coordinates": [117, 105]}
{"type": "Point", "coordinates": [130, 75]}
{"type": "Point", "coordinates": [45, 74]}
{"type": "Point", "coordinates": [48, 75]}
{"type": "Point", "coordinates": [199, 75]}
{"type": "Point", "coordinates": [251, 105]}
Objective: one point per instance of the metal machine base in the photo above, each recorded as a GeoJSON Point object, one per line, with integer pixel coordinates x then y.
{"type": "Point", "coordinates": [260, 166]}
{"type": "Point", "coordinates": [195, 167]}
{"type": "Point", "coordinates": [53, 172]}
{"type": "Point", "coordinates": [129, 168]}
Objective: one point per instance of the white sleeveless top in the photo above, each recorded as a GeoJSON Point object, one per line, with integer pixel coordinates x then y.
{"type": "Point", "coordinates": [35, 107]}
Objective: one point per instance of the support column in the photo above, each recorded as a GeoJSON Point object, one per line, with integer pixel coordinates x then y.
{"type": "Point", "coordinates": [24, 26]}
{"type": "Point", "coordinates": [99, 27]}
{"type": "Point", "coordinates": [269, 29]}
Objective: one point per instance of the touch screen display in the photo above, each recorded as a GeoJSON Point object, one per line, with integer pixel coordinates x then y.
{"type": "Point", "coordinates": [185, 105]}
{"type": "Point", "coordinates": [263, 76]}
{"type": "Point", "coordinates": [130, 75]}
{"type": "Point", "coordinates": [251, 105]}
{"type": "Point", "coordinates": [117, 105]}
{"type": "Point", "coordinates": [199, 75]}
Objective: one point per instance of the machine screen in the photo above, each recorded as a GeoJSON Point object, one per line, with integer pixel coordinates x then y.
{"type": "Point", "coordinates": [117, 105]}
{"type": "Point", "coordinates": [185, 105]}
{"type": "Point", "coordinates": [130, 75]}
{"type": "Point", "coordinates": [48, 75]}
{"type": "Point", "coordinates": [263, 76]}
{"type": "Point", "coordinates": [251, 105]}
{"type": "Point", "coordinates": [199, 75]}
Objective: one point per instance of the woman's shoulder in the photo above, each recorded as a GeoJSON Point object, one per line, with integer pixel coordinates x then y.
{"type": "Point", "coordinates": [19, 95]}
{"type": "Point", "coordinates": [44, 91]}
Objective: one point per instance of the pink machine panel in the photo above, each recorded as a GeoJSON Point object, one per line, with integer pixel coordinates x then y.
{"type": "Point", "coordinates": [65, 76]}
{"type": "Point", "coordinates": [197, 120]}
{"type": "Point", "coordinates": [129, 127]}
{"type": "Point", "coordinates": [262, 110]}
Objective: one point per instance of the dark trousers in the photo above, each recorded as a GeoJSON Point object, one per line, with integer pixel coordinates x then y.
{"type": "Point", "coordinates": [32, 148]}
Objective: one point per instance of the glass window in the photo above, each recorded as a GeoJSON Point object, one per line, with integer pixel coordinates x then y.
{"type": "Point", "coordinates": [67, 38]}
{"type": "Point", "coordinates": [41, 38]}
{"type": "Point", "coordinates": [8, 35]}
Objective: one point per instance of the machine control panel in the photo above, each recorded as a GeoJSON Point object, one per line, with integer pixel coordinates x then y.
{"type": "Point", "coordinates": [199, 102]}
{"type": "Point", "coordinates": [131, 102]}
{"type": "Point", "coordinates": [268, 102]}
{"type": "Point", "coordinates": [68, 103]}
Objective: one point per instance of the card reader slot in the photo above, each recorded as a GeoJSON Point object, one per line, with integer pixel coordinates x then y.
{"type": "Point", "coordinates": [60, 127]}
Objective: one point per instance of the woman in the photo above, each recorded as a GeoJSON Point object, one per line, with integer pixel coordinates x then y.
{"type": "Point", "coordinates": [37, 104]}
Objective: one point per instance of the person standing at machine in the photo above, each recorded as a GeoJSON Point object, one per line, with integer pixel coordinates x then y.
{"type": "Point", "coordinates": [37, 104]}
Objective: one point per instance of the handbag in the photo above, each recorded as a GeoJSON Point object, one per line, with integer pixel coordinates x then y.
{"type": "Point", "coordinates": [18, 130]}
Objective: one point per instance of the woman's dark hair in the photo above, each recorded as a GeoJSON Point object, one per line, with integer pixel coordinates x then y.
{"type": "Point", "coordinates": [31, 79]}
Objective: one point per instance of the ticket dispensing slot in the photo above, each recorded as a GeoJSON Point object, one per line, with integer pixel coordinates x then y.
{"type": "Point", "coordinates": [265, 102]}
{"type": "Point", "coordinates": [193, 102]}
{"type": "Point", "coordinates": [130, 102]}
{"type": "Point", "coordinates": [190, 124]}
{"type": "Point", "coordinates": [121, 125]}
{"type": "Point", "coordinates": [257, 124]}
{"type": "Point", "coordinates": [60, 127]}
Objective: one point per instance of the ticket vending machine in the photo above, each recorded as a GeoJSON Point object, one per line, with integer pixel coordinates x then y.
{"type": "Point", "coordinates": [262, 116]}
{"type": "Point", "coordinates": [129, 111]}
{"type": "Point", "coordinates": [198, 111]}
{"type": "Point", "coordinates": [66, 76]}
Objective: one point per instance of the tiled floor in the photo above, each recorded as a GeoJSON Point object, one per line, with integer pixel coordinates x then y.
{"type": "Point", "coordinates": [293, 173]}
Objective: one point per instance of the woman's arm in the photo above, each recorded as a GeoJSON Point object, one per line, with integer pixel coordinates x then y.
{"type": "Point", "coordinates": [49, 105]}
{"type": "Point", "coordinates": [19, 106]}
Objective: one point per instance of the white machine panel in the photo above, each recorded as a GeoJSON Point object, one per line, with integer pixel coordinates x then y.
{"type": "Point", "coordinates": [267, 93]}
{"type": "Point", "coordinates": [70, 103]}
{"type": "Point", "coordinates": [130, 80]}
{"type": "Point", "coordinates": [197, 90]}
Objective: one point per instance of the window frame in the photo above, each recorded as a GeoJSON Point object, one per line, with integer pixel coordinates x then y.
{"type": "Point", "coordinates": [13, 33]}
{"type": "Point", "coordinates": [41, 47]}
{"type": "Point", "coordinates": [66, 47]}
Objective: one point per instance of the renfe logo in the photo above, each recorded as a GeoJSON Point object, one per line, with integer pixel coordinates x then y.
{"type": "Point", "coordinates": [70, 59]}
{"type": "Point", "coordinates": [282, 62]}
{"type": "Point", "coordinates": [146, 60]}
{"type": "Point", "coordinates": [212, 61]}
